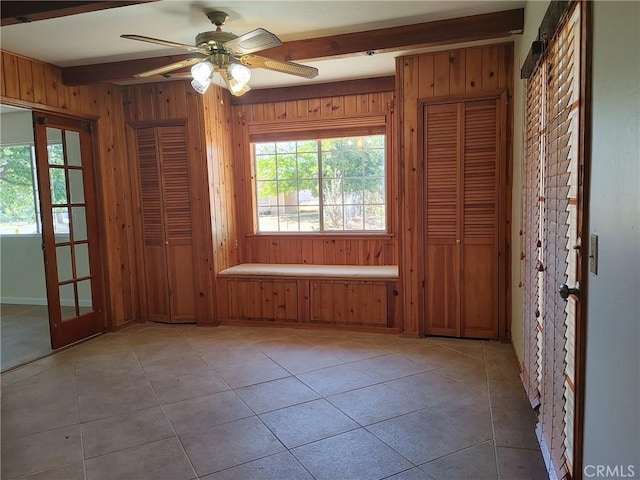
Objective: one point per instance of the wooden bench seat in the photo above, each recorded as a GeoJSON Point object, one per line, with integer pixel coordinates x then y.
{"type": "Point", "coordinates": [350, 296]}
{"type": "Point", "coordinates": [386, 272]}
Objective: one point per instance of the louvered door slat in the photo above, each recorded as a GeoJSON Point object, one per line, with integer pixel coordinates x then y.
{"type": "Point", "coordinates": [150, 186]}
{"type": "Point", "coordinates": [176, 183]}
{"type": "Point", "coordinates": [442, 152]}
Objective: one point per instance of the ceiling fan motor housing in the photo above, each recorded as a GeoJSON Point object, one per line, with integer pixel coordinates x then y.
{"type": "Point", "coordinates": [213, 41]}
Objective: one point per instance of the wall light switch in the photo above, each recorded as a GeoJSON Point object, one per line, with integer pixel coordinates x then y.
{"type": "Point", "coordinates": [593, 254]}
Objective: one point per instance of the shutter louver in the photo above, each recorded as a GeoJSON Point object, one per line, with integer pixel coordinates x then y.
{"type": "Point", "coordinates": [480, 167]}
{"type": "Point", "coordinates": [175, 167]}
{"type": "Point", "coordinates": [150, 186]}
{"type": "Point", "coordinates": [442, 137]}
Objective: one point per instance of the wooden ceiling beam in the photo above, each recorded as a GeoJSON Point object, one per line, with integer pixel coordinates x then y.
{"type": "Point", "coordinates": [455, 30]}
{"type": "Point", "coordinates": [14, 12]}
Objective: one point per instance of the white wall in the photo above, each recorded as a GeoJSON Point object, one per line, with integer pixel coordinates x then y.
{"type": "Point", "coordinates": [612, 403]}
{"type": "Point", "coordinates": [533, 14]}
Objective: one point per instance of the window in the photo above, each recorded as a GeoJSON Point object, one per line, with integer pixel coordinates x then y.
{"type": "Point", "coordinates": [19, 207]}
{"type": "Point", "coordinates": [321, 185]}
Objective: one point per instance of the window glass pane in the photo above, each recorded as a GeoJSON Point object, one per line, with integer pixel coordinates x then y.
{"type": "Point", "coordinates": [63, 260]}
{"type": "Point", "coordinates": [81, 252]}
{"type": "Point", "coordinates": [72, 140]}
{"type": "Point", "coordinates": [350, 192]}
{"type": "Point", "coordinates": [79, 224]}
{"type": "Point", "coordinates": [84, 297]}
{"type": "Point", "coordinates": [58, 185]}
{"type": "Point", "coordinates": [67, 301]}
{"type": "Point", "coordinates": [76, 186]}
{"type": "Point", "coordinates": [61, 223]}
{"type": "Point", "coordinates": [54, 146]}
{"type": "Point", "coordinates": [18, 196]}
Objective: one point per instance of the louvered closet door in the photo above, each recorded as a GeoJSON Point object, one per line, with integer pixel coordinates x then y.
{"type": "Point", "coordinates": [461, 152]}
{"type": "Point", "coordinates": [178, 216]}
{"type": "Point", "coordinates": [443, 132]}
{"type": "Point", "coordinates": [479, 221]}
{"type": "Point", "coordinates": [155, 262]}
{"type": "Point", "coordinates": [166, 223]}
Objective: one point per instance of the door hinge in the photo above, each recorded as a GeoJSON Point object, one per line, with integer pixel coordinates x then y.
{"type": "Point", "coordinates": [42, 120]}
{"type": "Point", "coordinates": [88, 127]}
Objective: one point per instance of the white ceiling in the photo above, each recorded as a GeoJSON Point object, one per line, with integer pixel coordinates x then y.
{"type": "Point", "coordinates": [95, 37]}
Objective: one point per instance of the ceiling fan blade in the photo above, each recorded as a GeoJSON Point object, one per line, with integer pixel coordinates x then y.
{"type": "Point", "coordinates": [279, 66]}
{"type": "Point", "coordinates": [158, 41]}
{"type": "Point", "coordinates": [253, 41]}
{"type": "Point", "coordinates": [169, 68]}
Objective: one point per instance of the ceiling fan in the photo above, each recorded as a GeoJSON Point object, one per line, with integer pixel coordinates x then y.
{"type": "Point", "coordinates": [227, 54]}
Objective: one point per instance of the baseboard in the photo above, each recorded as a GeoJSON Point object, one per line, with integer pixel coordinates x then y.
{"type": "Point", "coordinates": [23, 301]}
{"type": "Point", "coordinates": [39, 301]}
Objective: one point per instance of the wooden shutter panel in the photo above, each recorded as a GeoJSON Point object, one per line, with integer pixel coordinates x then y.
{"type": "Point", "coordinates": [532, 365]}
{"type": "Point", "coordinates": [150, 186]}
{"type": "Point", "coordinates": [442, 197]}
{"type": "Point", "coordinates": [176, 182]}
{"type": "Point", "coordinates": [480, 171]}
{"type": "Point", "coordinates": [442, 150]}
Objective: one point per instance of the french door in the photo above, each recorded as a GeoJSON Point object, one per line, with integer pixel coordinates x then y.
{"type": "Point", "coordinates": [64, 152]}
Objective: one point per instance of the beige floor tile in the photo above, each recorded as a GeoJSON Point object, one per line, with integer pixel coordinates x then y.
{"type": "Point", "coordinates": [389, 367]}
{"type": "Point", "coordinates": [520, 464]}
{"type": "Point", "coordinates": [411, 474]}
{"type": "Point", "coordinates": [124, 395]}
{"type": "Point", "coordinates": [433, 432]}
{"type": "Point", "coordinates": [202, 413]}
{"type": "Point", "coordinates": [515, 427]}
{"type": "Point", "coordinates": [184, 387]}
{"type": "Point", "coordinates": [161, 460]}
{"type": "Point", "coordinates": [338, 379]}
{"type": "Point", "coordinates": [307, 422]}
{"type": "Point", "coordinates": [40, 451]}
{"type": "Point", "coordinates": [281, 466]}
{"type": "Point", "coordinates": [250, 373]}
{"type": "Point", "coordinates": [187, 364]}
{"type": "Point", "coordinates": [276, 394]}
{"type": "Point", "coordinates": [72, 471]}
{"type": "Point", "coordinates": [124, 431]}
{"type": "Point", "coordinates": [352, 455]}
{"type": "Point", "coordinates": [473, 463]}
{"type": "Point", "coordinates": [305, 359]}
{"type": "Point", "coordinates": [431, 389]}
{"type": "Point", "coordinates": [229, 445]}
{"type": "Point", "coordinates": [373, 404]}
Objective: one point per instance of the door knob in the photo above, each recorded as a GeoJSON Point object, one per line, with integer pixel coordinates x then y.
{"type": "Point", "coordinates": [565, 291]}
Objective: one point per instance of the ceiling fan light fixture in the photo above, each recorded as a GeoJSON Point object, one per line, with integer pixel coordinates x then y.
{"type": "Point", "coordinates": [239, 72]}
{"type": "Point", "coordinates": [202, 71]}
{"type": "Point", "coordinates": [201, 86]}
{"type": "Point", "coordinates": [236, 87]}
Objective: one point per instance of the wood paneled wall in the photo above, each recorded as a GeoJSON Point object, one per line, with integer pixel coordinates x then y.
{"type": "Point", "coordinates": [460, 73]}
{"type": "Point", "coordinates": [336, 249]}
{"type": "Point", "coordinates": [209, 135]}
{"type": "Point", "coordinates": [36, 85]}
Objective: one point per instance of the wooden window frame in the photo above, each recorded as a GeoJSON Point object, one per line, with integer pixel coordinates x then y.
{"type": "Point", "coordinates": [317, 129]}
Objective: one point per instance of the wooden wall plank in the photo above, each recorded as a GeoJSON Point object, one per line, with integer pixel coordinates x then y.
{"type": "Point", "coordinates": [426, 76]}
{"type": "Point", "coordinates": [441, 74]}
{"type": "Point", "coordinates": [11, 76]}
{"type": "Point", "coordinates": [457, 72]}
{"type": "Point", "coordinates": [473, 71]}
{"type": "Point", "coordinates": [490, 67]}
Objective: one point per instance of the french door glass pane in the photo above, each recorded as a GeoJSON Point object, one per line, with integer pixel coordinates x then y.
{"type": "Point", "coordinates": [63, 260]}
{"type": "Point", "coordinates": [72, 143]}
{"type": "Point", "coordinates": [81, 253]}
{"type": "Point", "coordinates": [67, 301]}
{"type": "Point", "coordinates": [75, 185]}
{"type": "Point", "coordinates": [79, 224]}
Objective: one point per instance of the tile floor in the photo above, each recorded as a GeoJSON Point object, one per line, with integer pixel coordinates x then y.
{"type": "Point", "coordinates": [24, 334]}
{"type": "Point", "coordinates": [231, 403]}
